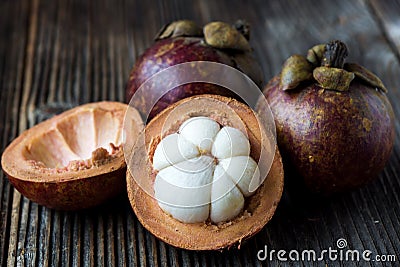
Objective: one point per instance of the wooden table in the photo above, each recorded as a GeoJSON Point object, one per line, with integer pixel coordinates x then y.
{"type": "Point", "coordinates": [58, 54]}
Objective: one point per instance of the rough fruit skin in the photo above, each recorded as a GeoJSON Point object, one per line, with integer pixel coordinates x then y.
{"type": "Point", "coordinates": [171, 51]}
{"type": "Point", "coordinates": [73, 195]}
{"type": "Point", "coordinates": [336, 140]}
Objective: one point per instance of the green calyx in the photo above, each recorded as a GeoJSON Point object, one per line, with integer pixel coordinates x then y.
{"type": "Point", "coordinates": [179, 28]}
{"type": "Point", "coordinates": [325, 64]}
{"type": "Point", "coordinates": [224, 36]}
{"type": "Point", "coordinates": [217, 34]}
{"type": "Point", "coordinates": [296, 69]}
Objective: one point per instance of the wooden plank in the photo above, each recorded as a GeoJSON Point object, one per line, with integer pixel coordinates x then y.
{"type": "Point", "coordinates": [14, 64]}
{"type": "Point", "coordinates": [66, 240]}
{"type": "Point", "coordinates": [100, 243]}
{"type": "Point", "coordinates": [56, 239]}
{"type": "Point", "coordinates": [387, 15]}
{"type": "Point", "coordinates": [110, 242]}
{"type": "Point", "coordinates": [5, 10]}
{"type": "Point", "coordinates": [120, 241]}
{"type": "Point", "coordinates": [132, 239]}
{"type": "Point", "coordinates": [76, 241]}
{"type": "Point", "coordinates": [88, 254]}
{"type": "Point", "coordinates": [44, 236]}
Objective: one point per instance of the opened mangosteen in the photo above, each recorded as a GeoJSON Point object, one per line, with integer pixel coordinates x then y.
{"type": "Point", "coordinates": [184, 41]}
{"type": "Point", "coordinates": [334, 122]}
{"type": "Point", "coordinates": [205, 174]}
{"type": "Point", "coordinates": [74, 160]}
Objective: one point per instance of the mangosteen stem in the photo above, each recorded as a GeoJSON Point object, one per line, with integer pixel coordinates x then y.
{"type": "Point", "coordinates": [243, 27]}
{"type": "Point", "coordinates": [334, 55]}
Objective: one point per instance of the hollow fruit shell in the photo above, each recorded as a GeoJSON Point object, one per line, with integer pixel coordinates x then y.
{"type": "Point", "coordinates": [66, 190]}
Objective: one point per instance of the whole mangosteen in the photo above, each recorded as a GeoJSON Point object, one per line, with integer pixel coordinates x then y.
{"type": "Point", "coordinates": [183, 41]}
{"type": "Point", "coordinates": [334, 122]}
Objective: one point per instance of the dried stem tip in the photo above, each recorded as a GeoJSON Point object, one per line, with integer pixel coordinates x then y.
{"type": "Point", "coordinates": [243, 27]}
{"type": "Point", "coordinates": [334, 55]}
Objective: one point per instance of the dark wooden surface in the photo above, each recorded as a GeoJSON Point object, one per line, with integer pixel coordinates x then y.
{"type": "Point", "coordinates": [58, 54]}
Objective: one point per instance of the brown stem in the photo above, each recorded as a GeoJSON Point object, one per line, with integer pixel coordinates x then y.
{"type": "Point", "coordinates": [334, 55]}
{"type": "Point", "coordinates": [243, 27]}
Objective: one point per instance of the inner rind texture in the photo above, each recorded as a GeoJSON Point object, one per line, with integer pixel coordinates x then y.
{"type": "Point", "coordinates": [206, 191]}
{"type": "Point", "coordinates": [84, 139]}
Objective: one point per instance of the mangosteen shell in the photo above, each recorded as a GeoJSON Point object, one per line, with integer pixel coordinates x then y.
{"type": "Point", "coordinates": [70, 190]}
{"type": "Point", "coordinates": [337, 141]}
{"type": "Point", "coordinates": [205, 236]}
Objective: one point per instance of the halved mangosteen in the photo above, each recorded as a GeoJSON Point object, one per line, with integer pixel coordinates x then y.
{"type": "Point", "coordinates": [205, 233]}
{"type": "Point", "coordinates": [74, 160]}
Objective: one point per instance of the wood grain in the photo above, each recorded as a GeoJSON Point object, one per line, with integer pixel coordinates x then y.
{"type": "Point", "coordinates": [58, 54]}
{"type": "Point", "coordinates": [387, 17]}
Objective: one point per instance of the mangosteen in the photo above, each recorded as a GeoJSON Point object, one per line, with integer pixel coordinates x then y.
{"type": "Point", "coordinates": [204, 175]}
{"type": "Point", "coordinates": [335, 124]}
{"type": "Point", "coordinates": [184, 41]}
{"type": "Point", "coordinates": [73, 160]}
